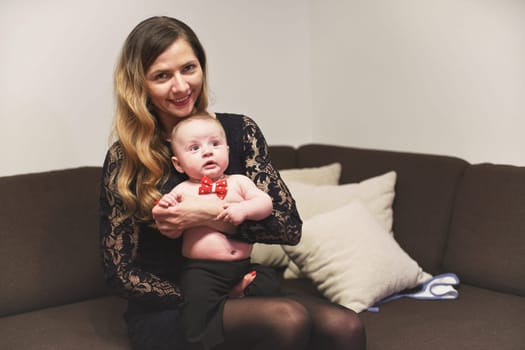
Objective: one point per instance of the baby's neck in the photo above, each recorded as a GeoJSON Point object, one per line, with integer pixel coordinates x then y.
{"type": "Point", "coordinates": [223, 176]}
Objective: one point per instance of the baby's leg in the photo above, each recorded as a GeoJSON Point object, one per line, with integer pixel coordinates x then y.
{"type": "Point", "coordinates": [205, 285]}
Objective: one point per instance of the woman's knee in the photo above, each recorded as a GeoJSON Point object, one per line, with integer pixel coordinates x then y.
{"type": "Point", "coordinates": [292, 315]}
{"type": "Point", "coordinates": [350, 319]}
{"type": "Point", "coordinates": [293, 323]}
{"type": "Point", "coordinates": [354, 328]}
{"type": "Point", "coordinates": [344, 327]}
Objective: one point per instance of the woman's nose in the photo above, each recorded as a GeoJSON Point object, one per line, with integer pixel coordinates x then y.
{"type": "Point", "coordinates": [179, 83]}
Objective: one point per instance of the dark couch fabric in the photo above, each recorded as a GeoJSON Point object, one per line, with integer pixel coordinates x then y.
{"type": "Point", "coordinates": [87, 325]}
{"type": "Point", "coordinates": [486, 245]}
{"type": "Point", "coordinates": [49, 234]}
{"type": "Point", "coordinates": [479, 319]}
{"type": "Point", "coordinates": [425, 192]}
{"type": "Point", "coordinates": [449, 215]}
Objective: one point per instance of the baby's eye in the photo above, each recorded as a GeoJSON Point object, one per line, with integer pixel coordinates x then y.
{"type": "Point", "coordinates": [194, 148]}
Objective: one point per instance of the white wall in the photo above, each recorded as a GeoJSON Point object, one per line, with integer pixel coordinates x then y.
{"type": "Point", "coordinates": [57, 59]}
{"type": "Point", "coordinates": [444, 77]}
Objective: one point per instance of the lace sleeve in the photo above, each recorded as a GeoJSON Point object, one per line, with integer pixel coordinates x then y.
{"type": "Point", "coordinates": [119, 239]}
{"type": "Point", "coordinates": [284, 225]}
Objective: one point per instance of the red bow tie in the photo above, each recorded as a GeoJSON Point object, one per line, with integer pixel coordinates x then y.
{"type": "Point", "coordinates": [207, 186]}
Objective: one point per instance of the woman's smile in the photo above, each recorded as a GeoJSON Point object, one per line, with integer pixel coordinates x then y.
{"type": "Point", "coordinates": [181, 102]}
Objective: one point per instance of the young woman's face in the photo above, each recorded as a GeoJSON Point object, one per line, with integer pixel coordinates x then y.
{"type": "Point", "coordinates": [174, 83]}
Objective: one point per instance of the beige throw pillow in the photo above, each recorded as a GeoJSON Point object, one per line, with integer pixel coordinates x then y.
{"type": "Point", "coordinates": [323, 175]}
{"type": "Point", "coordinates": [352, 259]}
{"type": "Point", "coordinates": [273, 255]}
{"type": "Point", "coordinates": [376, 193]}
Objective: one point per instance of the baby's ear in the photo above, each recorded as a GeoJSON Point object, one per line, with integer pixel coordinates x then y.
{"type": "Point", "coordinates": [176, 164]}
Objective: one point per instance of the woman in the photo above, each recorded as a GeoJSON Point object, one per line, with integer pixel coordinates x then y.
{"type": "Point", "coordinates": [161, 78]}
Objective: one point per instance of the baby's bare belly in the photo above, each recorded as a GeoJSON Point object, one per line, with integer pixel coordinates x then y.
{"type": "Point", "coordinates": [204, 243]}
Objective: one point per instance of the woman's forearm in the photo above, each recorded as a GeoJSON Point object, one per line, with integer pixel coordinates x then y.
{"type": "Point", "coordinates": [190, 212]}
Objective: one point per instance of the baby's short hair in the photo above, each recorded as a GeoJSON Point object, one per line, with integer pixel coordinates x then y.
{"type": "Point", "coordinates": [198, 116]}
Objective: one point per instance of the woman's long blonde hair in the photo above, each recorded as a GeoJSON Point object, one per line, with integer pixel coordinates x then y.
{"type": "Point", "coordinates": [146, 162]}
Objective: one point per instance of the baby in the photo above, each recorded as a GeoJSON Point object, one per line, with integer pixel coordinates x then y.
{"type": "Point", "coordinates": [216, 262]}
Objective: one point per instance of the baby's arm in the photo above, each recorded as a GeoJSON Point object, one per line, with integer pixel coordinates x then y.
{"type": "Point", "coordinates": [256, 204]}
{"type": "Point", "coordinates": [170, 199]}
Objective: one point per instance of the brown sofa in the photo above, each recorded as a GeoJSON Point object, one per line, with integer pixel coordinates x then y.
{"type": "Point", "coordinates": [449, 215]}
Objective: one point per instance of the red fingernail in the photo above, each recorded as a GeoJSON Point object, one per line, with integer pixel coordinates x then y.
{"type": "Point", "coordinates": [253, 273]}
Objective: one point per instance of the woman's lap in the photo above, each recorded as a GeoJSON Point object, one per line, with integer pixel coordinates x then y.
{"type": "Point", "coordinates": [296, 319]}
{"type": "Point", "coordinates": [334, 326]}
{"type": "Point", "coordinates": [274, 321]}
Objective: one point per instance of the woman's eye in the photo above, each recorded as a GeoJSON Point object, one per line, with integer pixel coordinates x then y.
{"type": "Point", "coordinates": [161, 76]}
{"type": "Point", "coordinates": [189, 67]}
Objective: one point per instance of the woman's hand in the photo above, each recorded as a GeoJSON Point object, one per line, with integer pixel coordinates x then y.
{"type": "Point", "coordinates": [172, 215]}
{"type": "Point", "coordinates": [188, 211]}
{"type": "Point", "coordinates": [167, 220]}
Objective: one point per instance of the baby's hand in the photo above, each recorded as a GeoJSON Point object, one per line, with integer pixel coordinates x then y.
{"type": "Point", "coordinates": [233, 213]}
{"type": "Point", "coordinates": [168, 200]}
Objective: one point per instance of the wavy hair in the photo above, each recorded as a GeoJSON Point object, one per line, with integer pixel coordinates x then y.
{"type": "Point", "coordinates": [146, 160]}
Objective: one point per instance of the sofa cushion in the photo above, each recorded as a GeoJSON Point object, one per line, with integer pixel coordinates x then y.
{"type": "Point", "coordinates": [50, 251]}
{"type": "Point", "coordinates": [352, 258]}
{"type": "Point", "coordinates": [283, 157]}
{"type": "Point", "coordinates": [323, 175]}
{"type": "Point", "coordinates": [480, 319]}
{"type": "Point", "coordinates": [487, 237]}
{"type": "Point", "coordinates": [376, 193]}
{"type": "Point", "coordinates": [95, 324]}
{"type": "Point", "coordinates": [425, 192]}
{"type": "Point", "coordinates": [272, 254]}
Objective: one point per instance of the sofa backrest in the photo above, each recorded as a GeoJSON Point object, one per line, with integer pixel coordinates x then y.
{"type": "Point", "coordinates": [283, 157]}
{"type": "Point", "coordinates": [486, 247]}
{"type": "Point", "coordinates": [49, 250]}
{"type": "Point", "coordinates": [425, 191]}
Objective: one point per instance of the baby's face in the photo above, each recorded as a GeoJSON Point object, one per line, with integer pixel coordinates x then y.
{"type": "Point", "coordinates": [200, 149]}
